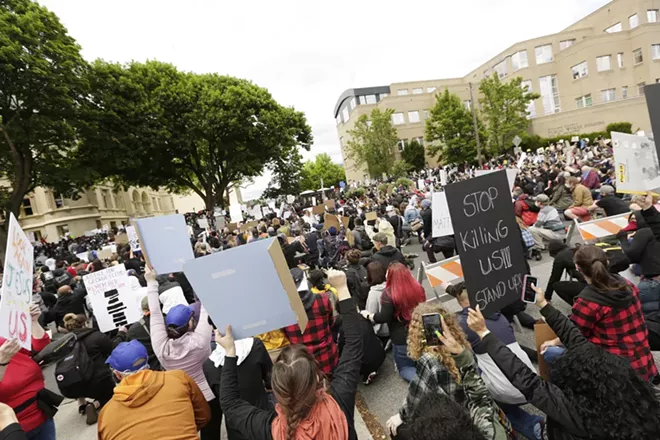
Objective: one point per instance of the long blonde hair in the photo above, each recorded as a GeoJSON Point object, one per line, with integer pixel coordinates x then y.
{"type": "Point", "coordinates": [417, 340]}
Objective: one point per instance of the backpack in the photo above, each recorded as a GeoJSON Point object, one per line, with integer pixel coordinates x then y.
{"type": "Point", "coordinates": [365, 242]}
{"type": "Point", "coordinates": [62, 280]}
{"type": "Point", "coordinates": [76, 368]}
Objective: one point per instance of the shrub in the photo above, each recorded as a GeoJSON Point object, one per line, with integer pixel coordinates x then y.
{"type": "Point", "coordinates": [406, 183]}
{"type": "Point", "coordinates": [355, 192]}
{"type": "Point", "coordinates": [620, 127]}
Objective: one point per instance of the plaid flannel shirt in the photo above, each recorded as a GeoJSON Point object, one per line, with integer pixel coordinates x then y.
{"type": "Point", "coordinates": [622, 332]}
{"type": "Point", "coordinates": [318, 335]}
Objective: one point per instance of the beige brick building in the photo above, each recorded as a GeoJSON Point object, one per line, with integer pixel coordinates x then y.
{"type": "Point", "coordinates": [49, 215]}
{"type": "Point", "coordinates": [588, 75]}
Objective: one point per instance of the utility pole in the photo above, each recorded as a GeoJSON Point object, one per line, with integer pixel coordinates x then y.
{"type": "Point", "coordinates": [476, 127]}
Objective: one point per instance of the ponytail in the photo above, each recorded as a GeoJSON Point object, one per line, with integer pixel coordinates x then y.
{"type": "Point", "coordinates": [455, 290]}
{"type": "Point", "coordinates": [593, 263]}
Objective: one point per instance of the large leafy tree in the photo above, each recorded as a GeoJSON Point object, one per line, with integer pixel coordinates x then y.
{"type": "Point", "coordinates": [372, 142]}
{"type": "Point", "coordinates": [450, 130]}
{"type": "Point", "coordinates": [322, 169]}
{"type": "Point", "coordinates": [287, 175]}
{"type": "Point", "coordinates": [413, 155]}
{"type": "Point", "coordinates": [42, 85]}
{"type": "Point", "coordinates": [150, 124]}
{"type": "Point", "coordinates": [504, 109]}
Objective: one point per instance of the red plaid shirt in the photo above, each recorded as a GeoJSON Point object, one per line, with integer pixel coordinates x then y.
{"type": "Point", "coordinates": [620, 331]}
{"type": "Point", "coordinates": [318, 336]}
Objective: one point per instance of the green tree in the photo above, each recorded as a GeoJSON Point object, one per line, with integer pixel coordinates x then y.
{"type": "Point", "coordinates": [42, 85]}
{"type": "Point", "coordinates": [450, 130]}
{"type": "Point", "coordinates": [401, 168]}
{"type": "Point", "coordinates": [413, 154]}
{"type": "Point", "coordinates": [504, 108]}
{"type": "Point", "coordinates": [321, 169]}
{"type": "Point", "coordinates": [372, 143]}
{"type": "Point", "coordinates": [287, 174]}
{"type": "Point", "coordinates": [150, 124]}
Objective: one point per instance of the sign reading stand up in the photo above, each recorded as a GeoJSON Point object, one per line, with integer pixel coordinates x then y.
{"type": "Point", "coordinates": [488, 240]}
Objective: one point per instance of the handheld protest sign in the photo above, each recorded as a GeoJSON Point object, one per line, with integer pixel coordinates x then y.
{"type": "Point", "coordinates": [15, 319]}
{"type": "Point", "coordinates": [141, 245]}
{"type": "Point", "coordinates": [370, 216]}
{"type": "Point", "coordinates": [121, 239]}
{"type": "Point", "coordinates": [488, 240]}
{"type": "Point", "coordinates": [330, 220]}
{"type": "Point", "coordinates": [114, 302]}
{"type": "Point", "coordinates": [330, 204]}
{"type": "Point", "coordinates": [249, 288]}
{"type": "Point", "coordinates": [635, 163]}
{"type": "Point", "coordinates": [166, 241]}
{"type": "Point", "coordinates": [133, 239]}
{"type": "Point", "coordinates": [440, 215]}
{"type": "Point", "coordinates": [318, 209]}
{"type": "Point", "coordinates": [248, 226]}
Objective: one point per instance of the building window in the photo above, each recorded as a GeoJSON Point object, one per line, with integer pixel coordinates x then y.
{"type": "Point", "coordinates": [619, 59]}
{"type": "Point", "coordinates": [105, 194]}
{"type": "Point", "coordinates": [640, 88]}
{"type": "Point", "coordinates": [565, 44]}
{"type": "Point", "coordinates": [426, 114]}
{"type": "Point", "coordinates": [531, 107]}
{"type": "Point", "coordinates": [418, 91]}
{"type": "Point", "coordinates": [362, 100]}
{"type": "Point", "coordinates": [26, 207]}
{"type": "Point", "coordinates": [543, 54]}
{"type": "Point", "coordinates": [604, 63]}
{"type": "Point", "coordinates": [652, 15]}
{"type": "Point", "coordinates": [519, 60]}
{"type": "Point", "coordinates": [339, 119]}
{"type": "Point", "coordinates": [614, 28]}
{"type": "Point", "coordinates": [58, 200]}
{"type": "Point", "coordinates": [352, 104]}
{"type": "Point", "coordinates": [403, 92]}
{"type": "Point", "coordinates": [384, 95]}
{"type": "Point", "coordinates": [120, 201]}
{"type": "Point", "coordinates": [468, 104]}
{"type": "Point", "coordinates": [655, 51]}
{"type": "Point", "coordinates": [62, 230]}
{"type": "Point", "coordinates": [580, 70]}
{"type": "Point", "coordinates": [371, 99]}
{"type": "Point", "coordinates": [549, 94]}
{"type": "Point", "coordinates": [345, 115]}
{"type": "Point", "coordinates": [430, 89]}
{"type": "Point", "coordinates": [624, 92]}
{"type": "Point", "coordinates": [638, 58]}
{"type": "Point", "coordinates": [401, 145]}
{"type": "Point", "coordinates": [397, 119]}
{"type": "Point", "coordinates": [608, 95]}
{"type": "Point", "coordinates": [413, 117]}
{"type": "Point", "coordinates": [633, 21]}
{"type": "Point", "coordinates": [419, 140]}
{"type": "Point", "coordinates": [500, 69]}
{"type": "Point", "coordinates": [583, 101]}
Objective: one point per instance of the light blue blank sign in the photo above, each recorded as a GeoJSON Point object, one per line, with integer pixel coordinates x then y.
{"type": "Point", "coordinates": [242, 288]}
{"type": "Point", "coordinates": [166, 242]}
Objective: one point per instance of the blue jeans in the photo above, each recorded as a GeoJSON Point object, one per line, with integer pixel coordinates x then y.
{"type": "Point", "coordinates": [523, 422]}
{"type": "Point", "coordinates": [649, 295]}
{"type": "Point", "coordinates": [552, 353]}
{"type": "Point", "coordinates": [404, 364]}
{"type": "Point", "coordinates": [45, 431]}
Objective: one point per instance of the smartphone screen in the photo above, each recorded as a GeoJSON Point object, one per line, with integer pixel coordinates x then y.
{"type": "Point", "coordinates": [529, 295]}
{"type": "Point", "coordinates": [431, 325]}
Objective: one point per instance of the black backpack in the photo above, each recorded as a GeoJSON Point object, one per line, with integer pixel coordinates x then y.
{"type": "Point", "coordinates": [365, 242]}
{"type": "Point", "coordinates": [76, 368]}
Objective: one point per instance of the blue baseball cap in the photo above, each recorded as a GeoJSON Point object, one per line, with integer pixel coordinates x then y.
{"type": "Point", "coordinates": [128, 356]}
{"type": "Point", "coordinates": [179, 315]}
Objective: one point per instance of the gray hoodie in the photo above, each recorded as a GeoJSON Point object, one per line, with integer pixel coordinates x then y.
{"type": "Point", "coordinates": [373, 306]}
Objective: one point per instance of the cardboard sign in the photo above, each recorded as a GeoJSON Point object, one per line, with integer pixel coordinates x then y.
{"type": "Point", "coordinates": [121, 239]}
{"type": "Point", "coordinates": [220, 222]}
{"type": "Point", "coordinates": [166, 242]}
{"type": "Point", "coordinates": [441, 217]}
{"type": "Point", "coordinates": [329, 221]}
{"type": "Point", "coordinates": [330, 204]}
{"type": "Point", "coordinates": [104, 254]}
{"type": "Point", "coordinates": [248, 226]}
{"type": "Point", "coordinates": [113, 301]}
{"type": "Point", "coordinates": [543, 333]}
{"type": "Point", "coordinates": [318, 209]}
{"type": "Point", "coordinates": [203, 223]}
{"type": "Point", "coordinates": [370, 216]}
{"type": "Point", "coordinates": [249, 288]}
{"type": "Point", "coordinates": [232, 227]}
{"type": "Point", "coordinates": [256, 212]}
{"type": "Point", "coordinates": [510, 175]}
{"type": "Point", "coordinates": [133, 238]}
{"type": "Point", "coordinates": [635, 163]}
{"type": "Point", "coordinates": [235, 213]}
{"type": "Point", "coordinates": [83, 256]}
{"type": "Point", "coordinates": [15, 319]}
{"type": "Point", "coordinates": [488, 240]}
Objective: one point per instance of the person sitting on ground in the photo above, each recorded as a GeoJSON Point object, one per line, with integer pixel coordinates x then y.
{"type": "Point", "coordinates": [582, 200]}
{"type": "Point", "coordinates": [254, 378]}
{"type": "Point", "coordinates": [587, 385]}
{"type": "Point", "coordinates": [447, 368]}
{"type": "Point", "coordinates": [385, 254]}
{"type": "Point", "coordinates": [140, 331]}
{"type": "Point", "coordinates": [508, 398]}
{"type": "Point", "coordinates": [609, 314]}
{"type": "Point", "coordinates": [165, 404]}
{"type": "Point", "coordinates": [563, 261]}
{"type": "Point", "coordinates": [356, 277]}
{"type": "Point", "coordinates": [609, 202]}
{"type": "Point", "coordinates": [562, 198]}
{"type": "Point", "coordinates": [305, 409]}
{"type": "Point", "coordinates": [548, 225]}
{"type": "Point", "coordinates": [377, 277]}
{"type": "Point", "coordinates": [526, 211]}
{"type": "Point", "coordinates": [318, 334]}
{"type": "Point", "coordinates": [98, 347]}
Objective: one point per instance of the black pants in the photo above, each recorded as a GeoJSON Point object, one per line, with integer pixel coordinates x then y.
{"type": "Point", "coordinates": [212, 430]}
{"type": "Point", "coordinates": [654, 341]}
{"type": "Point", "coordinates": [431, 251]}
{"type": "Point", "coordinates": [98, 389]}
{"type": "Point", "coordinates": [567, 290]}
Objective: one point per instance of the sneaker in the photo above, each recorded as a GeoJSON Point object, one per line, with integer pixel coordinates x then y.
{"type": "Point", "coordinates": [371, 377]}
{"type": "Point", "coordinates": [81, 409]}
{"type": "Point", "coordinates": [90, 413]}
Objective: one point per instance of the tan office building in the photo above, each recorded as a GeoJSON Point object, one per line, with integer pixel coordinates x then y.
{"type": "Point", "coordinates": [51, 216]}
{"type": "Point", "coordinates": [588, 75]}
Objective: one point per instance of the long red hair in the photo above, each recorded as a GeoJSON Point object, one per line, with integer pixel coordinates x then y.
{"type": "Point", "coordinates": [405, 291]}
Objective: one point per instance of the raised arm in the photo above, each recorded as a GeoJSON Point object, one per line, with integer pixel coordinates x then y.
{"type": "Point", "coordinates": [157, 330]}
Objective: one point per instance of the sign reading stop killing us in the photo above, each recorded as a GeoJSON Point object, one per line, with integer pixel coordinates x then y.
{"type": "Point", "coordinates": [488, 240]}
{"type": "Point", "coordinates": [15, 320]}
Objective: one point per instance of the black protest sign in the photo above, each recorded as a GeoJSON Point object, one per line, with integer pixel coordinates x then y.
{"type": "Point", "coordinates": [652, 93]}
{"type": "Point", "coordinates": [488, 240]}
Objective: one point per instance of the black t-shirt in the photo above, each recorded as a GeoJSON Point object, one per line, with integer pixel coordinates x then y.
{"type": "Point", "coordinates": [290, 251]}
{"type": "Point", "coordinates": [612, 205]}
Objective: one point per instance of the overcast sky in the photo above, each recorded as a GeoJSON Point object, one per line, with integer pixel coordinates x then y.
{"type": "Point", "coordinates": [306, 53]}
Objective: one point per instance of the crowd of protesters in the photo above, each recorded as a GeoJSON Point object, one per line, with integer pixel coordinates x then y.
{"type": "Point", "coordinates": [173, 374]}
